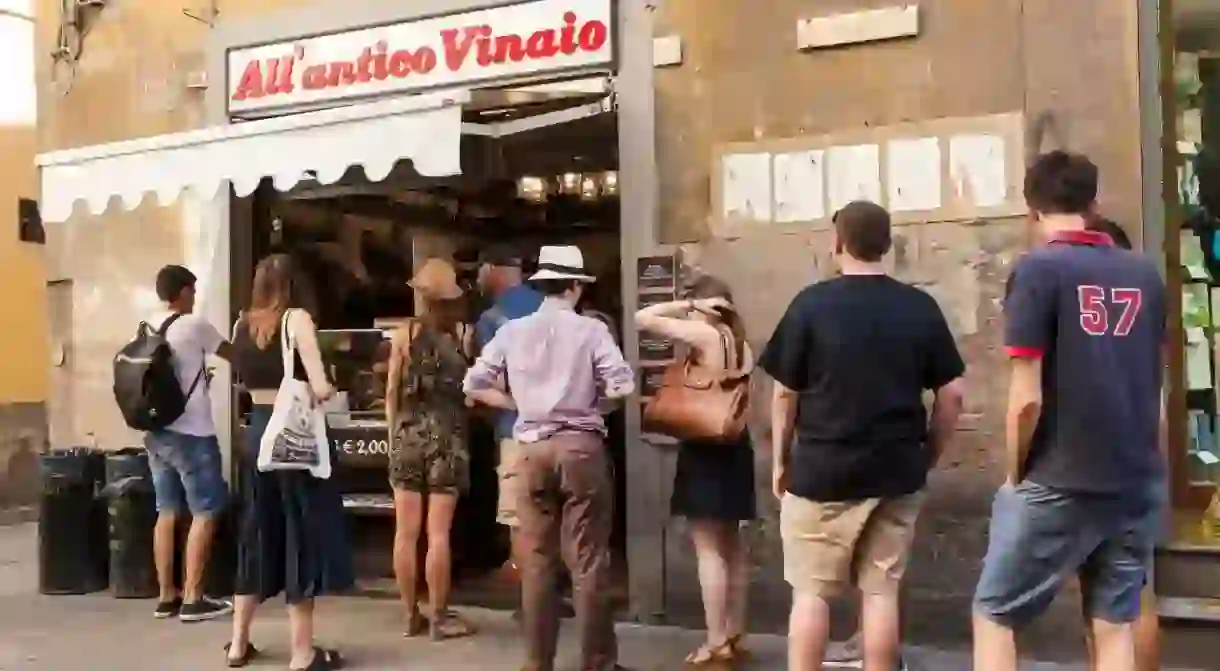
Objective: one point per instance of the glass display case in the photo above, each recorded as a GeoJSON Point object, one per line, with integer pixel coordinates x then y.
{"type": "Point", "coordinates": [357, 361]}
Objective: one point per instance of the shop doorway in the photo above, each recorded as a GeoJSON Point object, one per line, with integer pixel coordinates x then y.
{"type": "Point", "coordinates": [537, 169]}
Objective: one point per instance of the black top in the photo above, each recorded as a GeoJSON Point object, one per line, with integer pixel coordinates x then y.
{"type": "Point", "coordinates": [861, 350]}
{"type": "Point", "coordinates": [261, 368]}
{"type": "Point", "coordinates": [1096, 315]}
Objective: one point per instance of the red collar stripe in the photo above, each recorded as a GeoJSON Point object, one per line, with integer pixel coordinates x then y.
{"type": "Point", "coordinates": [1092, 238]}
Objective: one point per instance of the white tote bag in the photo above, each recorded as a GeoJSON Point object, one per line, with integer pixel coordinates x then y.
{"type": "Point", "coordinates": [295, 439]}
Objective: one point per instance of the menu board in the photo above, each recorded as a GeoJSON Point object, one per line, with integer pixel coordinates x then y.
{"type": "Point", "coordinates": [657, 273]}
{"type": "Point", "coordinates": [651, 378]}
{"type": "Point", "coordinates": [655, 349]}
{"type": "Point", "coordinates": [656, 282]}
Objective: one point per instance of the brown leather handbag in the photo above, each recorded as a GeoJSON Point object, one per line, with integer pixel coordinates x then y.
{"type": "Point", "coordinates": [696, 404]}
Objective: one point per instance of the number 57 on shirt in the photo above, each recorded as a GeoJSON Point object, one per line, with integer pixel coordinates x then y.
{"type": "Point", "coordinates": [1097, 304]}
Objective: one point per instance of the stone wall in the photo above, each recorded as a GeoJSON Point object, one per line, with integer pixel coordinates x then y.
{"type": "Point", "coordinates": [23, 434]}
{"type": "Point", "coordinates": [742, 79]}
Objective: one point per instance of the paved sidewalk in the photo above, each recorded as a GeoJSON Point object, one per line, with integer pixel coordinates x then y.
{"type": "Point", "coordinates": [100, 633]}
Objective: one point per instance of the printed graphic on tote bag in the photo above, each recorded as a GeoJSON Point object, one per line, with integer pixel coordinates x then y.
{"type": "Point", "coordinates": [297, 443]}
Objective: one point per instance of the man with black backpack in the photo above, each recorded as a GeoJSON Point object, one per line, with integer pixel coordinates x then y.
{"type": "Point", "coordinates": [161, 385]}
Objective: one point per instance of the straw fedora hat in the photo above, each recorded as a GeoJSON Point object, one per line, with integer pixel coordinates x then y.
{"type": "Point", "coordinates": [562, 262]}
{"type": "Point", "coordinates": [436, 280]}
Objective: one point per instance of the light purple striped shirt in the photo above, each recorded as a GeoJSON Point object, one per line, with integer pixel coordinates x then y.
{"type": "Point", "coordinates": [560, 366]}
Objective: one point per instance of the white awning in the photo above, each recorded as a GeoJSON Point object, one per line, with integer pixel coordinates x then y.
{"type": "Point", "coordinates": [318, 145]}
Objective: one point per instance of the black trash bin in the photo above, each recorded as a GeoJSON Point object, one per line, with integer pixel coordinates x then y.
{"type": "Point", "coordinates": [72, 547]}
{"type": "Point", "coordinates": [133, 514]}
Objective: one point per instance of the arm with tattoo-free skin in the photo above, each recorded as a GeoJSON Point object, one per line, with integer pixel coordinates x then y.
{"type": "Point", "coordinates": [483, 380]}
{"type": "Point", "coordinates": [783, 422]}
{"type": "Point", "coordinates": [1024, 411]}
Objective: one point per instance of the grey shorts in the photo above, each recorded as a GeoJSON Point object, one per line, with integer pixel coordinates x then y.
{"type": "Point", "coordinates": [1041, 537]}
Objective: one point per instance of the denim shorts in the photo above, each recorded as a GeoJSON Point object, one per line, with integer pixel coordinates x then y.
{"type": "Point", "coordinates": [1040, 537]}
{"type": "Point", "coordinates": [186, 472]}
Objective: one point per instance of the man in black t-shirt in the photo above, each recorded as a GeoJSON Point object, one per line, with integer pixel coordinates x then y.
{"type": "Point", "coordinates": [851, 437]}
{"type": "Point", "coordinates": [1085, 324]}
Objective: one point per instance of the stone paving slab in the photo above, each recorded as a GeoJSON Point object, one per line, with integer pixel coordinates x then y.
{"type": "Point", "coordinates": [99, 633]}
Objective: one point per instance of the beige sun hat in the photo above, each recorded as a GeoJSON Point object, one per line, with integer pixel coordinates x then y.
{"type": "Point", "coordinates": [436, 280]}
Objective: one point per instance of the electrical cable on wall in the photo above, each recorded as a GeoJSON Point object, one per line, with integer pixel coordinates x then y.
{"type": "Point", "coordinates": [75, 22]}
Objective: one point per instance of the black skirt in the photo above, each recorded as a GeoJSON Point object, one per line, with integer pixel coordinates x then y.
{"type": "Point", "coordinates": [715, 481]}
{"type": "Point", "coordinates": [292, 536]}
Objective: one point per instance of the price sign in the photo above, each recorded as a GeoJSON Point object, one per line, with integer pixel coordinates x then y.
{"type": "Point", "coordinates": [361, 446]}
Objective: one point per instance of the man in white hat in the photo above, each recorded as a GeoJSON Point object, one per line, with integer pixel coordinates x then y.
{"type": "Point", "coordinates": [564, 365]}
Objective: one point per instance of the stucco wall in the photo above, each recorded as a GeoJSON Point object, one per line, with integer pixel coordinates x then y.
{"type": "Point", "coordinates": [23, 324]}
{"type": "Point", "coordinates": [743, 79]}
{"type": "Point", "coordinates": [131, 82]}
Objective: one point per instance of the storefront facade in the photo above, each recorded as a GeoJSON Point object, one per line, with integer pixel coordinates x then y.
{"type": "Point", "coordinates": [694, 92]}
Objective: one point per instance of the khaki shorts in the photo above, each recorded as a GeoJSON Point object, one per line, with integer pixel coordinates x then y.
{"type": "Point", "coordinates": [831, 545]}
{"type": "Point", "coordinates": [511, 483]}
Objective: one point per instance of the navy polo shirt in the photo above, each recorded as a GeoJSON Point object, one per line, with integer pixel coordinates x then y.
{"type": "Point", "coordinates": [1095, 314]}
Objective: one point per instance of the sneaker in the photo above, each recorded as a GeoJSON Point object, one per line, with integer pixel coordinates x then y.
{"type": "Point", "coordinates": [204, 609]}
{"type": "Point", "coordinates": [167, 609]}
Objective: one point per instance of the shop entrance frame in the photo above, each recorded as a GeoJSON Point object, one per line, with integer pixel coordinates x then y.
{"type": "Point", "coordinates": [646, 516]}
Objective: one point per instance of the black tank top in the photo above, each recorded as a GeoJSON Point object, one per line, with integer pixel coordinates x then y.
{"type": "Point", "coordinates": [262, 368]}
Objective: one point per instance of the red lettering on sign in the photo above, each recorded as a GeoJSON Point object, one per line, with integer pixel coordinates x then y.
{"type": "Point", "coordinates": [379, 62]}
{"type": "Point", "coordinates": [381, 68]}
{"type": "Point", "coordinates": [542, 44]}
{"type": "Point", "coordinates": [457, 45]}
{"type": "Point", "coordinates": [314, 77]}
{"type": "Point", "coordinates": [251, 83]}
{"type": "Point", "coordinates": [567, 39]}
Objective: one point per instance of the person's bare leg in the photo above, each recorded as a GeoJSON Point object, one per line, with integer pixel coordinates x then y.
{"type": "Point", "coordinates": [244, 607]}
{"type": "Point", "coordinates": [879, 622]}
{"type": "Point", "coordinates": [1148, 632]}
{"type": "Point", "coordinates": [164, 537]}
{"type": "Point", "coordinates": [739, 582]}
{"type": "Point", "coordinates": [300, 633]}
{"type": "Point", "coordinates": [808, 631]}
{"type": "Point", "coordinates": [198, 550]}
{"type": "Point", "coordinates": [1115, 646]}
{"type": "Point", "coordinates": [1090, 645]}
{"type": "Point", "coordinates": [995, 646]}
{"type": "Point", "coordinates": [708, 538]}
{"type": "Point", "coordinates": [408, 519]}
{"type": "Point", "coordinates": [438, 562]}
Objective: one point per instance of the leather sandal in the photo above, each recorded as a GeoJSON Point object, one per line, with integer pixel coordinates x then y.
{"type": "Point", "coordinates": [705, 657]}
{"type": "Point", "coordinates": [737, 648]}
{"type": "Point", "coordinates": [415, 625]}
{"type": "Point", "coordinates": [449, 625]}
{"type": "Point", "coordinates": [248, 655]}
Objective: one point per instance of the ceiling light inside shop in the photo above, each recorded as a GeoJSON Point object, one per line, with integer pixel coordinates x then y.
{"type": "Point", "coordinates": [590, 188]}
{"type": "Point", "coordinates": [531, 188]}
{"type": "Point", "coordinates": [569, 183]}
{"type": "Point", "coordinates": [610, 183]}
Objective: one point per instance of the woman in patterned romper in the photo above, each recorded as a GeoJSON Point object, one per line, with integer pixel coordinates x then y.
{"type": "Point", "coordinates": [429, 458]}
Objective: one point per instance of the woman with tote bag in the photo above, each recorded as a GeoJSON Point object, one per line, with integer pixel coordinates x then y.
{"type": "Point", "coordinates": [291, 537]}
{"type": "Point", "coordinates": [714, 482]}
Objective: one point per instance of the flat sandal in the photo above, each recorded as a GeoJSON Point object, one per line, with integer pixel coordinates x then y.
{"type": "Point", "coordinates": [705, 657]}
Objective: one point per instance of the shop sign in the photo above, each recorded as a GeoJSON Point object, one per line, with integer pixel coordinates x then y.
{"type": "Point", "coordinates": [525, 40]}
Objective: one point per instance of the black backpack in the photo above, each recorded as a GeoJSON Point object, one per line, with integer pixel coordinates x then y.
{"type": "Point", "coordinates": [145, 384]}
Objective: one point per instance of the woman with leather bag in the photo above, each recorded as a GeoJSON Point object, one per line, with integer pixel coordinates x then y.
{"type": "Point", "coordinates": [704, 402]}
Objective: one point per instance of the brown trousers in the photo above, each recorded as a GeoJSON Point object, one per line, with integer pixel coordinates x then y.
{"type": "Point", "coordinates": [566, 511]}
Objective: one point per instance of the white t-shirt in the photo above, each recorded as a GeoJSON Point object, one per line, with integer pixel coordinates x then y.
{"type": "Point", "coordinates": [192, 338]}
